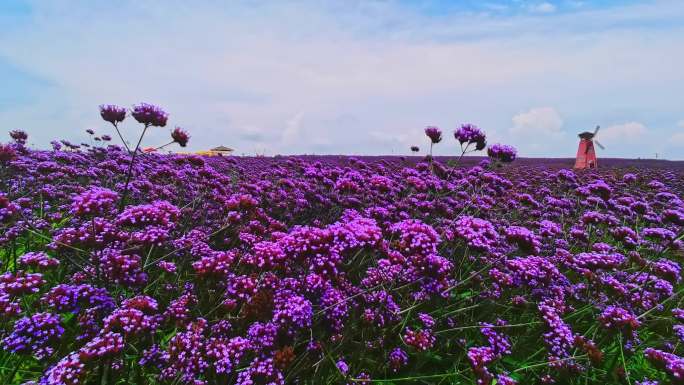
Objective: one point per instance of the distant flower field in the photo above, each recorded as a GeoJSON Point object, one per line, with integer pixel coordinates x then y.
{"type": "Point", "coordinates": [128, 267]}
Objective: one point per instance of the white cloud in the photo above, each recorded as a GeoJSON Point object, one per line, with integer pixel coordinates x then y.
{"type": "Point", "coordinates": [620, 133]}
{"type": "Point", "coordinates": [544, 7]}
{"type": "Point", "coordinates": [677, 139]}
{"type": "Point", "coordinates": [496, 7]}
{"type": "Point", "coordinates": [293, 128]}
{"type": "Point", "coordinates": [542, 121]}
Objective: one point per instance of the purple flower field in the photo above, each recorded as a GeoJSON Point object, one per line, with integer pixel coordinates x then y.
{"type": "Point", "coordinates": [120, 266]}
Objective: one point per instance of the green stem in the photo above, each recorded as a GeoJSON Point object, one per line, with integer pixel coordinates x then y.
{"type": "Point", "coordinates": [130, 170]}
{"type": "Point", "coordinates": [121, 137]}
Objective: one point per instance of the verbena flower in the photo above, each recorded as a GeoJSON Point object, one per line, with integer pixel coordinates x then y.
{"type": "Point", "coordinates": [7, 153]}
{"type": "Point", "coordinates": [38, 260]}
{"type": "Point", "coordinates": [180, 136]}
{"type": "Point", "coordinates": [502, 152]}
{"type": "Point", "coordinates": [434, 133]}
{"type": "Point", "coordinates": [95, 201]}
{"type": "Point", "coordinates": [397, 359]}
{"type": "Point", "coordinates": [19, 136]}
{"type": "Point", "coordinates": [471, 134]}
{"type": "Point", "coordinates": [35, 335]}
{"type": "Point", "coordinates": [671, 363]}
{"type": "Point", "coordinates": [112, 114]}
{"type": "Point", "coordinates": [149, 115]}
{"type": "Point", "coordinates": [420, 339]}
{"type": "Point", "coordinates": [617, 318]}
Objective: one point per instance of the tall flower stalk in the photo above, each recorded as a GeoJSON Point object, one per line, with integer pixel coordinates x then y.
{"type": "Point", "coordinates": [435, 135]}
{"type": "Point", "coordinates": [148, 115]}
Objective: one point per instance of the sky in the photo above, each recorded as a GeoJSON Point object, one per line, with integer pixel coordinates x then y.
{"type": "Point", "coordinates": [351, 76]}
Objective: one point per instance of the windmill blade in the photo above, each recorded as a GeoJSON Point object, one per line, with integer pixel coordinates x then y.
{"type": "Point", "coordinates": [599, 144]}
{"type": "Point", "coordinates": [596, 130]}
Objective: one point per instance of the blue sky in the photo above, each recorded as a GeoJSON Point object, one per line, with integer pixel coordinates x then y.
{"type": "Point", "coordinates": [352, 77]}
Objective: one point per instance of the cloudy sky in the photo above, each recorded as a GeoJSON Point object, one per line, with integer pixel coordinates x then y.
{"type": "Point", "coordinates": [352, 77]}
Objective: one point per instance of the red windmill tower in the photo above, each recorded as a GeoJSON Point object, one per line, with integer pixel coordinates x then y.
{"type": "Point", "coordinates": [586, 155]}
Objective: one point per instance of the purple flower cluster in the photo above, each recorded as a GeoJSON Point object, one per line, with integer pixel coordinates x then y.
{"type": "Point", "coordinates": [524, 238]}
{"type": "Point", "coordinates": [421, 339]}
{"type": "Point", "coordinates": [672, 364]}
{"type": "Point", "coordinates": [434, 133]}
{"type": "Point", "coordinates": [180, 136]}
{"type": "Point", "coordinates": [149, 115]}
{"type": "Point", "coordinates": [397, 359]}
{"type": "Point", "coordinates": [478, 233]}
{"type": "Point", "coordinates": [112, 114]}
{"type": "Point", "coordinates": [619, 319]}
{"type": "Point", "coordinates": [502, 152]}
{"type": "Point", "coordinates": [38, 260]}
{"type": "Point", "coordinates": [469, 133]}
{"type": "Point", "coordinates": [19, 136]}
{"type": "Point", "coordinates": [35, 335]}
{"type": "Point", "coordinates": [96, 201]}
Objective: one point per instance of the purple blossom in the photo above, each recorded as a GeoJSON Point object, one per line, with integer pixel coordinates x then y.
{"type": "Point", "coordinates": [502, 152]}
{"type": "Point", "coordinates": [130, 322]}
{"type": "Point", "coordinates": [105, 345]}
{"type": "Point", "coordinates": [20, 283]}
{"type": "Point", "coordinates": [185, 353]}
{"type": "Point", "coordinates": [112, 114]}
{"type": "Point", "coordinates": [95, 201]}
{"type": "Point", "coordinates": [427, 320]}
{"type": "Point", "coordinates": [658, 234]}
{"type": "Point", "coordinates": [35, 335]}
{"type": "Point", "coordinates": [471, 134]}
{"type": "Point", "coordinates": [180, 136]}
{"type": "Point", "coordinates": [262, 370]}
{"type": "Point", "coordinates": [7, 153]}
{"type": "Point", "coordinates": [524, 238]}
{"type": "Point", "coordinates": [480, 357]}
{"type": "Point", "coordinates": [167, 266]}
{"type": "Point", "coordinates": [121, 268]}
{"type": "Point", "coordinates": [497, 341]}
{"type": "Point", "coordinates": [262, 336]}
{"type": "Point", "coordinates": [592, 261]}
{"type": "Point", "coordinates": [619, 319]}
{"type": "Point", "coordinates": [434, 133]}
{"type": "Point", "coordinates": [159, 213]}
{"type": "Point", "coordinates": [478, 233]}
{"type": "Point", "coordinates": [38, 260]}
{"type": "Point", "coordinates": [19, 136]}
{"type": "Point", "coordinates": [397, 359]}
{"type": "Point", "coordinates": [149, 115]}
{"type": "Point", "coordinates": [672, 364]}
{"type": "Point", "coordinates": [559, 338]}
{"type": "Point", "coordinates": [342, 366]}
{"type": "Point", "coordinates": [416, 237]}
{"type": "Point", "coordinates": [420, 339]}
{"type": "Point", "coordinates": [70, 370]}
{"type": "Point", "coordinates": [292, 311]}
{"type": "Point", "coordinates": [227, 354]}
